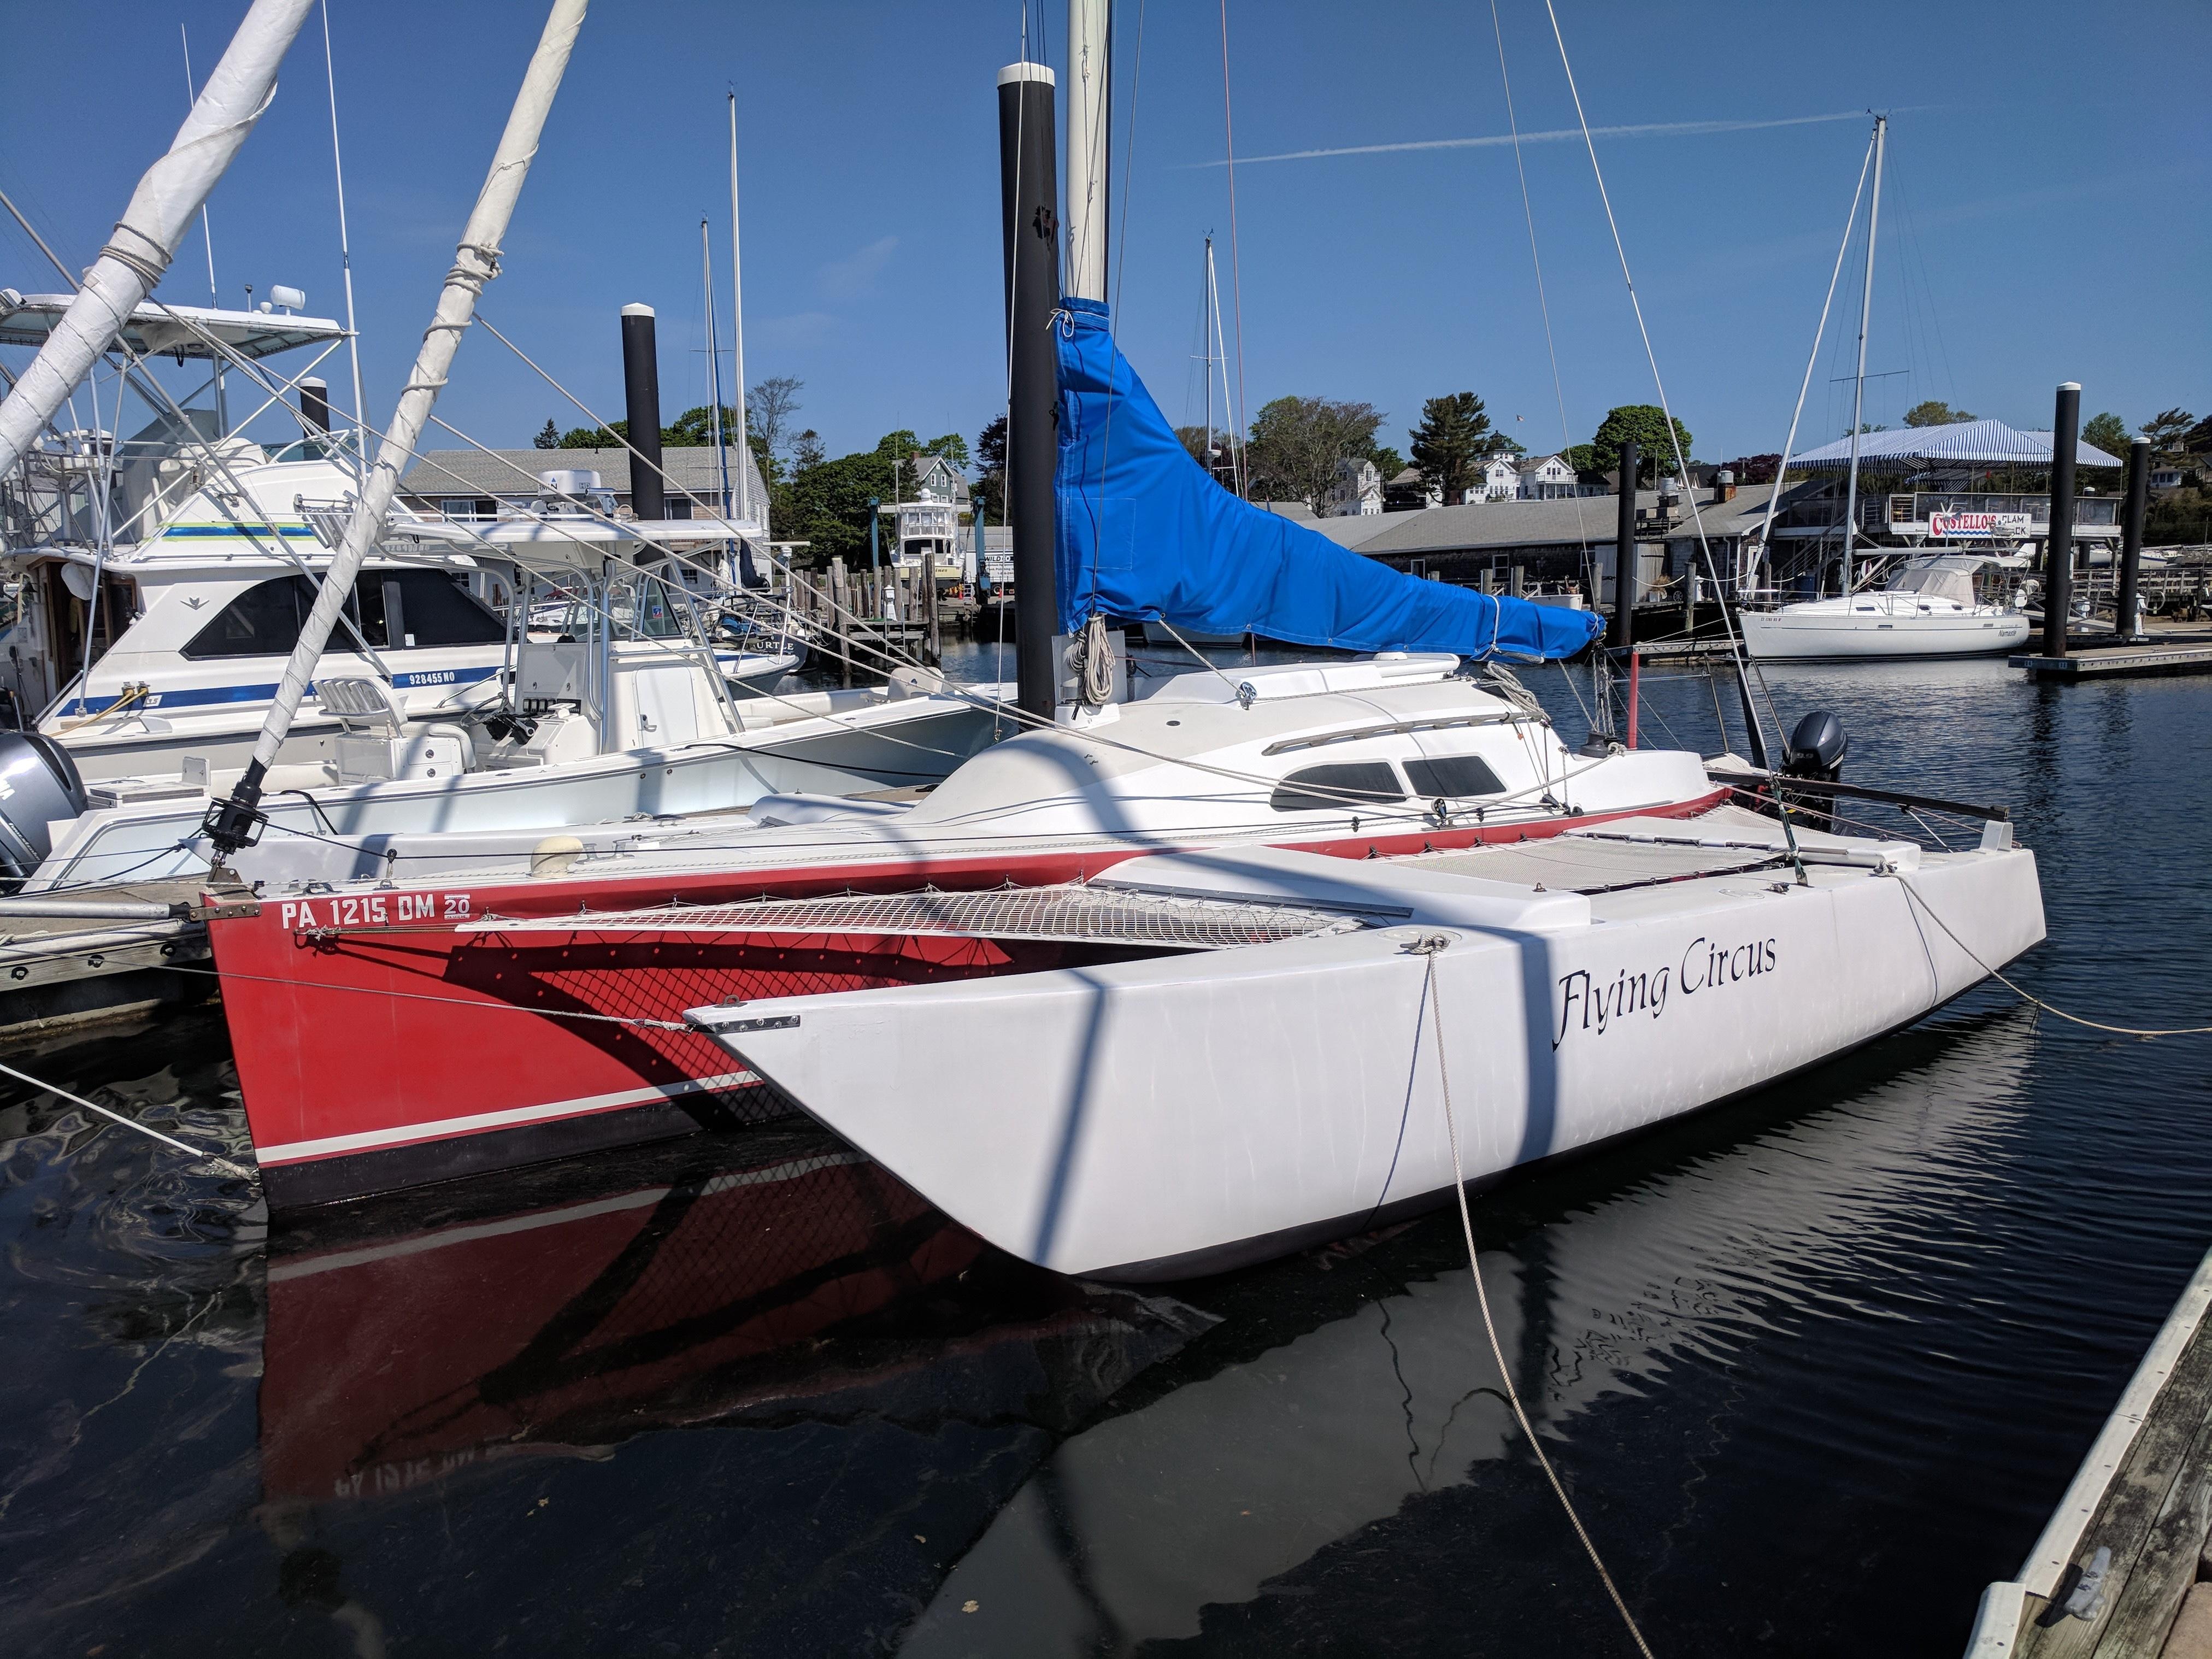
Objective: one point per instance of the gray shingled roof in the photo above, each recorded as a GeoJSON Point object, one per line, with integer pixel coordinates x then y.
{"type": "Point", "coordinates": [1523, 524]}
{"type": "Point", "coordinates": [514, 472]}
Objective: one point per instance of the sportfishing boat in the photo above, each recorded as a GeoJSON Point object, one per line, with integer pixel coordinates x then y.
{"type": "Point", "coordinates": [1929, 607]}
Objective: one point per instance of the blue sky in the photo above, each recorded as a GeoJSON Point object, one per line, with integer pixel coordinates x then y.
{"type": "Point", "coordinates": [2044, 216]}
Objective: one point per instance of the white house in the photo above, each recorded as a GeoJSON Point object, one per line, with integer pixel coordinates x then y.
{"type": "Point", "coordinates": [1545, 478]}
{"type": "Point", "coordinates": [1358, 490]}
{"type": "Point", "coordinates": [1497, 480]}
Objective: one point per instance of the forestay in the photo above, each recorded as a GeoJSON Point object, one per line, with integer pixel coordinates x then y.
{"type": "Point", "coordinates": [1143, 533]}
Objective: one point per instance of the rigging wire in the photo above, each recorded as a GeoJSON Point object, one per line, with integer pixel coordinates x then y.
{"type": "Point", "coordinates": [1236, 262]}
{"type": "Point", "coordinates": [209, 1156]}
{"type": "Point", "coordinates": [345, 246]}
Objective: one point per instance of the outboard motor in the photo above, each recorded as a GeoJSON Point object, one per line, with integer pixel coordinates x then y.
{"type": "Point", "coordinates": [1815, 753]}
{"type": "Point", "coordinates": [38, 786]}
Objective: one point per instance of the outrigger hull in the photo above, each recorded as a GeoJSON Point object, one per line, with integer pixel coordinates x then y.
{"type": "Point", "coordinates": [1159, 1119]}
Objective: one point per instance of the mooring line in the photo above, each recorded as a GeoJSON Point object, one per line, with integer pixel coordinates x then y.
{"type": "Point", "coordinates": [417, 996]}
{"type": "Point", "coordinates": [1429, 948]}
{"type": "Point", "coordinates": [214, 1157]}
{"type": "Point", "coordinates": [2036, 1001]}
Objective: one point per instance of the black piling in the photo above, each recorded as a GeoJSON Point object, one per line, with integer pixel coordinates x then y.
{"type": "Point", "coordinates": [1029, 193]}
{"type": "Point", "coordinates": [2059, 548]}
{"type": "Point", "coordinates": [641, 407]}
{"type": "Point", "coordinates": [2131, 532]}
{"type": "Point", "coordinates": [1623, 551]}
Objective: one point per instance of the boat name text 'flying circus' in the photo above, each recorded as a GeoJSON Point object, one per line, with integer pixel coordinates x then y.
{"type": "Point", "coordinates": [1704, 964]}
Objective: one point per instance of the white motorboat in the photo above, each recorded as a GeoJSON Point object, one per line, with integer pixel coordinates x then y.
{"type": "Point", "coordinates": [1929, 608]}
{"type": "Point", "coordinates": [1270, 1070]}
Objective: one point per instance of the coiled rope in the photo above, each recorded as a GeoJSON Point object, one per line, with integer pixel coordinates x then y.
{"type": "Point", "coordinates": [1429, 948]}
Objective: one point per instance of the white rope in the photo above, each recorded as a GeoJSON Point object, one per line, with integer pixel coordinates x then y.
{"type": "Point", "coordinates": [216, 1158]}
{"type": "Point", "coordinates": [2036, 1001]}
{"type": "Point", "coordinates": [1429, 948]}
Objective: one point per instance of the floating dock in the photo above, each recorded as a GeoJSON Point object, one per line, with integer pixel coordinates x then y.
{"type": "Point", "coordinates": [2121, 1569]}
{"type": "Point", "coordinates": [2192, 655]}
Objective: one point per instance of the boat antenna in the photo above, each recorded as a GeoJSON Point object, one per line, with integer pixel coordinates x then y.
{"type": "Point", "coordinates": [207, 240]}
{"type": "Point", "coordinates": [1858, 388]}
{"type": "Point", "coordinates": [713, 361]}
{"type": "Point", "coordinates": [738, 323]}
{"type": "Point", "coordinates": [345, 248]}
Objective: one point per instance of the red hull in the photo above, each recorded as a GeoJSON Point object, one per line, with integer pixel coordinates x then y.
{"type": "Point", "coordinates": [380, 1045]}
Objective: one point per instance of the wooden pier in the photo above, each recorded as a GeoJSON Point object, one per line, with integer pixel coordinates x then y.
{"type": "Point", "coordinates": [2120, 1571]}
{"type": "Point", "coordinates": [68, 970]}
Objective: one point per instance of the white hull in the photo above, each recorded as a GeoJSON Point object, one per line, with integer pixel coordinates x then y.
{"type": "Point", "coordinates": [1788, 634]}
{"type": "Point", "coordinates": [1158, 1118]}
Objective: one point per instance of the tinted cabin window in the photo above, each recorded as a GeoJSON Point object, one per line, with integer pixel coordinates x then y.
{"type": "Point", "coordinates": [1318, 788]}
{"type": "Point", "coordinates": [433, 609]}
{"type": "Point", "coordinates": [1452, 777]}
{"type": "Point", "coordinates": [262, 622]}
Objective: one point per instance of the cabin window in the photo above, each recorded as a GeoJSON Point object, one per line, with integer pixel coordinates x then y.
{"type": "Point", "coordinates": [428, 607]}
{"type": "Point", "coordinates": [1452, 777]}
{"type": "Point", "coordinates": [262, 622]}
{"type": "Point", "coordinates": [1347, 784]}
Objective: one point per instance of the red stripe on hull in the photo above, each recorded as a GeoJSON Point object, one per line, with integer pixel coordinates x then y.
{"type": "Point", "coordinates": [381, 1036]}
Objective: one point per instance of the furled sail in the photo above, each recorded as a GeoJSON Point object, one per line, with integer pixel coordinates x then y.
{"type": "Point", "coordinates": [1145, 533]}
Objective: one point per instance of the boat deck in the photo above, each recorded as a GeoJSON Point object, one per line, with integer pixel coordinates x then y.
{"type": "Point", "coordinates": [2103, 661]}
{"type": "Point", "coordinates": [2120, 1572]}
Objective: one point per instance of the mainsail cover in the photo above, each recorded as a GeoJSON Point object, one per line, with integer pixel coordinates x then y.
{"type": "Point", "coordinates": [1145, 533]}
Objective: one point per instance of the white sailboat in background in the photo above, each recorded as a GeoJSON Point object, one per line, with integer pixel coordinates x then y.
{"type": "Point", "coordinates": [1930, 606]}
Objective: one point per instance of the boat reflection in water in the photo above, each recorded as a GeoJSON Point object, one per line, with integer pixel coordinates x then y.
{"type": "Point", "coordinates": [1249, 1490]}
{"type": "Point", "coordinates": [772, 1280]}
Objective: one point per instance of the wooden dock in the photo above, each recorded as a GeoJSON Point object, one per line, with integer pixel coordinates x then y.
{"type": "Point", "coordinates": [57, 971]}
{"type": "Point", "coordinates": [2120, 1571]}
{"type": "Point", "coordinates": [2101, 661]}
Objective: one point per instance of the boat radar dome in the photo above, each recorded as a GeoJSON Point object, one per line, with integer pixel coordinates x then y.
{"type": "Point", "coordinates": [287, 299]}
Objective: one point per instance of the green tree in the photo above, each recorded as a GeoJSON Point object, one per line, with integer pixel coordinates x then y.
{"type": "Point", "coordinates": [612, 436]}
{"type": "Point", "coordinates": [1647, 424]}
{"type": "Point", "coordinates": [2166, 431]}
{"type": "Point", "coordinates": [827, 501]}
{"type": "Point", "coordinates": [1453, 440]}
{"type": "Point", "coordinates": [695, 428]}
{"type": "Point", "coordinates": [1387, 461]}
{"type": "Point", "coordinates": [2108, 432]}
{"type": "Point", "coordinates": [1583, 458]}
{"type": "Point", "coordinates": [549, 436]}
{"type": "Point", "coordinates": [806, 451]}
{"type": "Point", "coordinates": [1297, 444]}
{"type": "Point", "coordinates": [769, 407]}
{"type": "Point", "coordinates": [991, 464]}
{"type": "Point", "coordinates": [1934, 411]}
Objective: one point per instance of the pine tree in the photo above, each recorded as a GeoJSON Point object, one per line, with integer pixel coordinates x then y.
{"type": "Point", "coordinates": [1453, 438]}
{"type": "Point", "coordinates": [549, 436]}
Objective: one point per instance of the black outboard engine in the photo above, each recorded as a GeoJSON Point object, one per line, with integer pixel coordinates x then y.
{"type": "Point", "coordinates": [38, 786]}
{"type": "Point", "coordinates": [1815, 753]}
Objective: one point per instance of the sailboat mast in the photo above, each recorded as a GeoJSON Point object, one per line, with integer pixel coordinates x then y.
{"type": "Point", "coordinates": [1089, 102]}
{"type": "Point", "coordinates": [1858, 388]}
{"type": "Point", "coordinates": [236, 821]}
{"type": "Point", "coordinates": [207, 241]}
{"type": "Point", "coordinates": [1206, 327]}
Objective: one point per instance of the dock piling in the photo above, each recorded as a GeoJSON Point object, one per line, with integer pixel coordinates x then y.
{"type": "Point", "coordinates": [2125, 620]}
{"type": "Point", "coordinates": [2059, 548]}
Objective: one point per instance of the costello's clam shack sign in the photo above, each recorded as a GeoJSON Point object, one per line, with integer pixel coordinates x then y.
{"type": "Point", "coordinates": [1977, 526]}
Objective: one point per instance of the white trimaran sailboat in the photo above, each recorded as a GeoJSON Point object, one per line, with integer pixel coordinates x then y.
{"type": "Point", "coordinates": [1297, 1046]}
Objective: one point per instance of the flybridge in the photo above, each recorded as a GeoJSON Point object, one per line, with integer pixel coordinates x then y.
{"type": "Point", "coordinates": [166, 331]}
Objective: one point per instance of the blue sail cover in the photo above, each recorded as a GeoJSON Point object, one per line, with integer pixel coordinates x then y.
{"type": "Point", "coordinates": [1143, 533]}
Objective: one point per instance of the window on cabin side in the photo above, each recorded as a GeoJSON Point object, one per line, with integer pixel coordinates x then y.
{"type": "Point", "coordinates": [1347, 784]}
{"type": "Point", "coordinates": [1452, 777]}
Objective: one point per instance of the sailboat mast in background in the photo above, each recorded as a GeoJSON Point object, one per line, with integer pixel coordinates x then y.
{"type": "Point", "coordinates": [1858, 389]}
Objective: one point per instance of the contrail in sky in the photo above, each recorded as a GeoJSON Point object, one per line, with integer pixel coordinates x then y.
{"type": "Point", "coordinates": [1558, 135]}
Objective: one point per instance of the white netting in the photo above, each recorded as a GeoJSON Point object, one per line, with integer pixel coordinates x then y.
{"type": "Point", "coordinates": [1071, 911]}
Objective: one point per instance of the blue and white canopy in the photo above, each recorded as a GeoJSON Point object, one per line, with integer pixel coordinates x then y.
{"type": "Point", "coordinates": [1966, 443]}
{"type": "Point", "coordinates": [1143, 532]}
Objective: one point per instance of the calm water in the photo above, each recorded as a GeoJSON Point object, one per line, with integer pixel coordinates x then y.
{"type": "Point", "coordinates": [1816, 1364]}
